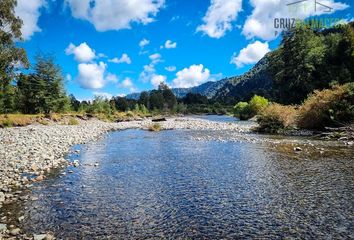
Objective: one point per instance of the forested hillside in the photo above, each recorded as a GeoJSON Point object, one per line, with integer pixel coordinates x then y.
{"type": "Point", "coordinates": [306, 60]}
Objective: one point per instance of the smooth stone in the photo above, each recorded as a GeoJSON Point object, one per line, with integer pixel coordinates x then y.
{"type": "Point", "coordinates": [15, 231]}
{"type": "Point", "coordinates": [3, 227]}
{"type": "Point", "coordinates": [39, 236]}
{"type": "Point", "coordinates": [297, 149]}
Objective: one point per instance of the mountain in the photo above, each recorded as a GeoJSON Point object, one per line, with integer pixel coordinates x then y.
{"type": "Point", "coordinates": [255, 81]}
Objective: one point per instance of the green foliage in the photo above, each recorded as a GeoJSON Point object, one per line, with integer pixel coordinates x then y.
{"type": "Point", "coordinates": [257, 104]}
{"type": "Point", "coordinates": [43, 90]}
{"type": "Point", "coordinates": [121, 104]}
{"type": "Point", "coordinates": [10, 29]}
{"type": "Point", "coordinates": [74, 103]}
{"type": "Point", "coordinates": [329, 107]}
{"type": "Point", "coordinates": [243, 110]}
{"type": "Point", "coordinates": [275, 118]}
{"type": "Point", "coordinates": [309, 60]}
{"type": "Point", "coordinates": [100, 105]}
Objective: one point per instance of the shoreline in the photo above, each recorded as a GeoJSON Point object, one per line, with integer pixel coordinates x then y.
{"type": "Point", "coordinates": [31, 153]}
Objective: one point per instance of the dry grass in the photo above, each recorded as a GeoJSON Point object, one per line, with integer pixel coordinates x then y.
{"type": "Point", "coordinates": [325, 107]}
{"type": "Point", "coordinates": [17, 120]}
{"type": "Point", "coordinates": [155, 127]}
{"type": "Point", "coordinates": [73, 121]}
{"type": "Point", "coordinates": [276, 118]}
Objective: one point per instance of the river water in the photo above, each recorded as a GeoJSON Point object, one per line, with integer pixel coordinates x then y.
{"type": "Point", "coordinates": [167, 185]}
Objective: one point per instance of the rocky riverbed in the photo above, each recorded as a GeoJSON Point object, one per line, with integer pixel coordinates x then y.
{"type": "Point", "coordinates": [30, 154]}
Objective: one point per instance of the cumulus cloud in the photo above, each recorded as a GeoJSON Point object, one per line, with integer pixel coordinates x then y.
{"type": "Point", "coordinates": [155, 58]}
{"type": "Point", "coordinates": [192, 76]}
{"type": "Point", "coordinates": [170, 68]}
{"type": "Point", "coordinates": [144, 42]}
{"type": "Point", "coordinates": [91, 75]}
{"type": "Point", "coordinates": [68, 77]}
{"type": "Point", "coordinates": [112, 78]}
{"type": "Point", "coordinates": [115, 14]}
{"type": "Point", "coordinates": [250, 54]}
{"type": "Point", "coordinates": [157, 79]}
{"type": "Point", "coordinates": [29, 12]}
{"type": "Point", "coordinates": [82, 53]}
{"type": "Point", "coordinates": [219, 17]}
{"type": "Point", "coordinates": [261, 22]}
{"type": "Point", "coordinates": [127, 83]}
{"type": "Point", "coordinates": [123, 59]}
{"type": "Point", "coordinates": [169, 44]}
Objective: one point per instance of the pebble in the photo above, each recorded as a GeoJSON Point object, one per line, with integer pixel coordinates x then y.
{"type": "Point", "coordinates": [297, 149]}
{"type": "Point", "coordinates": [15, 231]}
{"type": "Point", "coordinates": [3, 227]}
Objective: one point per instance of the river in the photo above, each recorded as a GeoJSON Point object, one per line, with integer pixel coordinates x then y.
{"type": "Point", "coordinates": [136, 184]}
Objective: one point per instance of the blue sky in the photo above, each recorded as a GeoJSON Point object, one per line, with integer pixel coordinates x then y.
{"type": "Point", "coordinates": [100, 43]}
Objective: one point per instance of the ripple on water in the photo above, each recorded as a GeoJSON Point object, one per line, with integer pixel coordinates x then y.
{"type": "Point", "coordinates": [167, 185]}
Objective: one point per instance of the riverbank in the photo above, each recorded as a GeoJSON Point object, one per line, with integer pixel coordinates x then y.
{"type": "Point", "coordinates": [29, 154]}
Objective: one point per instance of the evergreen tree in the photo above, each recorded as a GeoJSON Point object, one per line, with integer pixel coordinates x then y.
{"type": "Point", "coordinates": [11, 57]}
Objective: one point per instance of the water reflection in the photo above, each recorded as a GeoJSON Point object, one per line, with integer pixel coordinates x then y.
{"type": "Point", "coordinates": [166, 185]}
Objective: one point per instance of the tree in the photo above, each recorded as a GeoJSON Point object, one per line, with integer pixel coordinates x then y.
{"type": "Point", "coordinates": [170, 99]}
{"type": "Point", "coordinates": [144, 99]}
{"type": "Point", "coordinates": [242, 110]}
{"type": "Point", "coordinates": [75, 104]}
{"type": "Point", "coordinates": [11, 57]}
{"type": "Point", "coordinates": [156, 100]}
{"type": "Point", "coordinates": [257, 104]}
{"type": "Point", "coordinates": [121, 104]}
{"type": "Point", "coordinates": [43, 90]}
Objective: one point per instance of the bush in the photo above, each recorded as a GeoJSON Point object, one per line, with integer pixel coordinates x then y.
{"type": "Point", "coordinates": [243, 111]}
{"type": "Point", "coordinates": [329, 107]}
{"type": "Point", "coordinates": [155, 127]}
{"type": "Point", "coordinates": [258, 104]}
{"type": "Point", "coordinates": [17, 120]}
{"type": "Point", "coordinates": [275, 118]}
{"type": "Point", "coordinates": [73, 121]}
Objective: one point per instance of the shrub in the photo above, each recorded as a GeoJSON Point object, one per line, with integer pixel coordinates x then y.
{"type": "Point", "coordinates": [17, 120]}
{"type": "Point", "coordinates": [73, 121]}
{"type": "Point", "coordinates": [155, 127]}
{"type": "Point", "coordinates": [258, 104]}
{"type": "Point", "coordinates": [329, 107]}
{"type": "Point", "coordinates": [276, 117]}
{"type": "Point", "coordinates": [243, 111]}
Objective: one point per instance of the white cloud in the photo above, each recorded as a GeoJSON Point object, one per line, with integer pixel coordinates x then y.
{"type": "Point", "coordinates": [29, 12]}
{"type": "Point", "coordinates": [219, 17]}
{"type": "Point", "coordinates": [192, 76]}
{"type": "Point", "coordinates": [261, 22]}
{"type": "Point", "coordinates": [127, 83]}
{"type": "Point", "coordinates": [157, 79]}
{"type": "Point", "coordinates": [251, 54]}
{"type": "Point", "coordinates": [155, 58]}
{"type": "Point", "coordinates": [123, 59]}
{"type": "Point", "coordinates": [170, 68]}
{"type": "Point", "coordinates": [82, 53]}
{"type": "Point", "coordinates": [68, 77]}
{"type": "Point", "coordinates": [112, 78]}
{"type": "Point", "coordinates": [104, 95]}
{"type": "Point", "coordinates": [147, 73]}
{"type": "Point", "coordinates": [115, 14]}
{"type": "Point", "coordinates": [91, 75]}
{"type": "Point", "coordinates": [169, 44]}
{"type": "Point", "coordinates": [144, 42]}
